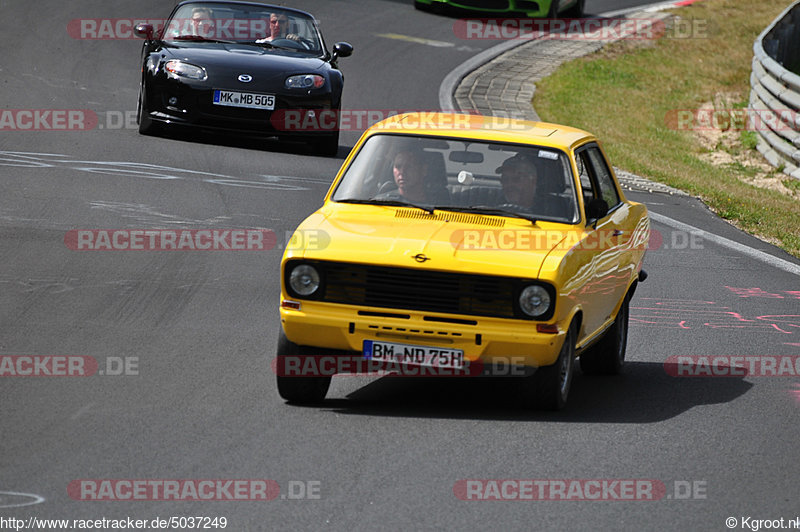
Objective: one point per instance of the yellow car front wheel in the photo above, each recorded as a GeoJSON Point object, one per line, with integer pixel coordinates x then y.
{"type": "Point", "coordinates": [548, 388]}
{"type": "Point", "coordinates": [299, 390]}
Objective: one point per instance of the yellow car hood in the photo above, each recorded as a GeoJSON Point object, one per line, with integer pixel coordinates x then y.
{"type": "Point", "coordinates": [444, 241]}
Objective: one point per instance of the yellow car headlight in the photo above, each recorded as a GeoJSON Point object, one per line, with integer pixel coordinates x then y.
{"type": "Point", "coordinates": [304, 280]}
{"type": "Point", "coordinates": [534, 300]}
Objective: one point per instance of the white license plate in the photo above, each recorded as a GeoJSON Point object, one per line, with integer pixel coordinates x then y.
{"type": "Point", "coordinates": [250, 100]}
{"type": "Point", "coordinates": [414, 355]}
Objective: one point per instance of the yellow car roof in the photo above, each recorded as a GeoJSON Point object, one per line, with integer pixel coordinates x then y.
{"type": "Point", "coordinates": [481, 127]}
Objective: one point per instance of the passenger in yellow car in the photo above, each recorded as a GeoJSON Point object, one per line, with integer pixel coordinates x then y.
{"type": "Point", "coordinates": [519, 178]}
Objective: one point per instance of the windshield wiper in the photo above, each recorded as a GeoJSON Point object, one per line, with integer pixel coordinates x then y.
{"type": "Point", "coordinates": [491, 211]}
{"type": "Point", "coordinates": [394, 203]}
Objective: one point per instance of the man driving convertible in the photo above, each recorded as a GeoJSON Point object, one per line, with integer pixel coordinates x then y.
{"type": "Point", "coordinates": [278, 27]}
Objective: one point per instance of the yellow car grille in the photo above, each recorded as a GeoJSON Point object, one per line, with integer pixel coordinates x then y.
{"type": "Point", "coordinates": [422, 290]}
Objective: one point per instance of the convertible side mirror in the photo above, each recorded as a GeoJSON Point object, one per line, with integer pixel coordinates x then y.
{"type": "Point", "coordinates": [144, 31]}
{"type": "Point", "coordinates": [342, 49]}
{"type": "Point", "coordinates": [596, 209]}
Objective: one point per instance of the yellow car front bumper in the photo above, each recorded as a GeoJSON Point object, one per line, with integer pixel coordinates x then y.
{"type": "Point", "coordinates": [488, 340]}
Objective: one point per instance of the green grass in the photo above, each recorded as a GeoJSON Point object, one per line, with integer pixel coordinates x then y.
{"type": "Point", "coordinates": [792, 184]}
{"type": "Point", "coordinates": [749, 139]}
{"type": "Point", "coordinates": [628, 94]}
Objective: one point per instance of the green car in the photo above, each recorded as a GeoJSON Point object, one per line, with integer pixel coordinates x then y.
{"type": "Point", "coordinates": [527, 8]}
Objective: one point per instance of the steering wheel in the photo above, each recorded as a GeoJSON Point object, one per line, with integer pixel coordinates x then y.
{"type": "Point", "coordinates": [388, 186]}
{"type": "Point", "coordinates": [309, 45]}
{"type": "Point", "coordinates": [300, 44]}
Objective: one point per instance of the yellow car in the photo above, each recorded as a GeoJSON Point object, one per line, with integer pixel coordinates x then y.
{"type": "Point", "coordinates": [451, 242]}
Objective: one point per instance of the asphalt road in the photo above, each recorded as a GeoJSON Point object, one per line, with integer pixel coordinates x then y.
{"type": "Point", "coordinates": [200, 327]}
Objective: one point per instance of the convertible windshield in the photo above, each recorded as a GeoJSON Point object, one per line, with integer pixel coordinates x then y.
{"type": "Point", "coordinates": [524, 181]}
{"type": "Point", "coordinates": [274, 27]}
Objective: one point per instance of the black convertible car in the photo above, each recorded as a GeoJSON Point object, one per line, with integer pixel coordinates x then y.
{"type": "Point", "coordinates": [241, 66]}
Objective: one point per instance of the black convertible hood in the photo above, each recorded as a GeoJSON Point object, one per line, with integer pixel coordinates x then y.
{"type": "Point", "coordinates": [243, 58]}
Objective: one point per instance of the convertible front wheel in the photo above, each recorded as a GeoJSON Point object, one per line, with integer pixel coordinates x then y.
{"type": "Point", "coordinates": [146, 125]}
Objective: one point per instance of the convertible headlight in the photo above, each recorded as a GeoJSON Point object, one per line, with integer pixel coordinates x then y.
{"type": "Point", "coordinates": [304, 280]}
{"type": "Point", "coordinates": [305, 81]}
{"type": "Point", "coordinates": [178, 69]}
{"type": "Point", "coordinates": [534, 300]}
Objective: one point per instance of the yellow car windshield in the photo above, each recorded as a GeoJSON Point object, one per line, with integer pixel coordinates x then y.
{"type": "Point", "coordinates": [532, 182]}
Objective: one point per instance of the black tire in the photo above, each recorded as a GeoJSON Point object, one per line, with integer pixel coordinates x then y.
{"type": "Point", "coordinates": [327, 145]}
{"type": "Point", "coordinates": [577, 10]}
{"type": "Point", "coordinates": [553, 12]}
{"type": "Point", "coordinates": [436, 8]}
{"type": "Point", "coordinates": [607, 356]}
{"type": "Point", "coordinates": [299, 390]}
{"type": "Point", "coordinates": [146, 125]}
{"type": "Point", "coordinates": [548, 388]}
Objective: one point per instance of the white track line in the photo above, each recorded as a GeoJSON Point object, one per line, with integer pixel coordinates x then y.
{"type": "Point", "coordinates": [725, 242]}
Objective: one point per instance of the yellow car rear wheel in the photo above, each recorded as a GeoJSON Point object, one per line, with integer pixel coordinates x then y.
{"type": "Point", "coordinates": [608, 356]}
